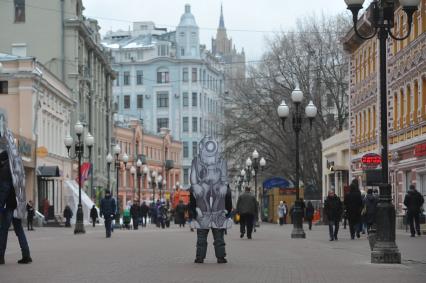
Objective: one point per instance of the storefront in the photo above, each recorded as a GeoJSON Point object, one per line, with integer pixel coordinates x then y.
{"type": "Point", "coordinates": [26, 149]}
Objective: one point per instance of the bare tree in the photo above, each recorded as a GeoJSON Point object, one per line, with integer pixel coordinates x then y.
{"type": "Point", "coordinates": [311, 56]}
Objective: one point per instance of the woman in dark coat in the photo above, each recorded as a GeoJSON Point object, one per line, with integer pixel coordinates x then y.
{"type": "Point", "coordinates": [94, 215]}
{"type": "Point", "coordinates": [353, 205]}
{"type": "Point", "coordinates": [68, 215]}
{"type": "Point", "coordinates": [309, 215]}
{"type": "Point", "coordinates": [180, 213]}
{"type": "Point", "coordinates": [370, 203]}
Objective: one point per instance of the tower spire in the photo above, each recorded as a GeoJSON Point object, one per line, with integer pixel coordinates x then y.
{"type": "Point", "coordinates": [221, 21]}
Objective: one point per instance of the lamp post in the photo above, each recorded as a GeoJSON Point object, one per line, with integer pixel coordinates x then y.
{"type": "Point", "coordinates": [124, 158]}
{"type": "Point", "coordinates": [283, 113]}
{"type": "Point", "coordinates": [153, 184]}
{"type": "Point", "coordinates": [133, 172]}
{"type": "Point", "coordinates": [145, 173]}
{"type": "Point", "coordinates": [79, 154]}
{"type": "Point", "coordinates": [109, 159]}
{"type": "Point", "coordinates": [385, 250]}
{"type": "Point", "coordinates": [159, 181]}
{"type": "Point", "coordinates": [139, 177]}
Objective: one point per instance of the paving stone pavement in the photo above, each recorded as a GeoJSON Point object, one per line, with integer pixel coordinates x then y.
{"type": "Point", "coordinates": [156, 255]}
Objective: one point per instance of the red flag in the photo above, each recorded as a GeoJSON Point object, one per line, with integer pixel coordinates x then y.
{"type": "Point", "coordinates": [85, 170]}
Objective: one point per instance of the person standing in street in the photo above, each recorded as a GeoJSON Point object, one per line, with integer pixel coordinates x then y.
{"type": "Point", "coordinates": [108, 209]}
{"type": "Point", "coordinates": [135, 214]}
{"type": "Point", "coordinates": [247, 208]}
{"type": "Point", "coordinates": [12, 193]}
{"type": "Point", "coordinates": [370, 205]}
{"type": "Point", "coordinates": [68, 215]}
{"type": "Point", "coordinates": [353, 204]}
{"type": "Point", "coordinates": [94, 215]}
{"type": "Point", "coordinates": [180, 214]}
{"type": "Point", "coordinates": [309, 215]}
{"type": "Point", "coordinates": [281, 212]}
{"type": "Point", "coordinates": [333, 210]}
{"type": "Point", "coordinates": [30, 215]}
{"type": "Point", "coordinates": [144, 213]}
{"type": "Point", "coordinates": [414, 202]}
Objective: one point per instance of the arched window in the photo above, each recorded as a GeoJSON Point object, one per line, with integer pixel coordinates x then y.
{"type": "Point", "coordinates": [369, 123]}
{"type": "Point", "coordinates": [395, 111]}
{"type": "Point", "coordinates": [374, 121]}
{"type": "Point", "coordinates": [416, 101]}
{"type": "Point", "coordinates": [408, 107]}
{"type": "Point", "coordinates": [401, 108]}
{"type": "Point", "coordinates": [423, 105]}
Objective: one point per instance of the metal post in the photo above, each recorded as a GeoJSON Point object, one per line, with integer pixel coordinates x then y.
{"type": "Point", "coordinates": [297, 212]}
{"type": "Point", "coordinates": [117, 215]}
{"type": "Point", "coordinates": [385, 249]}
{"type": "Point", "coordinates": [79, 225]}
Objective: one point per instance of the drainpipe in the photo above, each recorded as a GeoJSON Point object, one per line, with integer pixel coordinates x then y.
{"type": "Point", "coordinates": [63, 39]}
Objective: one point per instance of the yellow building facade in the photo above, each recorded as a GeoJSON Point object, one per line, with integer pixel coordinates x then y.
{"type": "Point", "coordinates": [406, 84]}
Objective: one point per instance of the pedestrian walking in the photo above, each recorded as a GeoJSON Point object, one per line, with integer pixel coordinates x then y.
{"type": "Point", "coordinates": [68, 215]}
{"type": "Point", "coordinates": [333, 210]}
{"type": "Point", "coordinates": [135, 214]}
{"type": "Point", "coordinates": [286, 212]}
{"type": "Point", "coordinates": [180, 214]}
{"type": "Point", "coordinates": [370, 208]}
{"type": "Point", "coordinates": [414, 202]}
{"type": "Point", "coordinates": [30, 215]}
{"type": "Point", "coordinates": [94, 215]}
{"type": "Point", "coordinates": [281, 212]}
{"type": "Point", "coordinates": [309, 214]}
{"type": "Point", "coordinates": [353, 204]}
{"type": "Point", "coordinates": [12, 193]}
{"type": "Point", "coordinates": [108, 209]}
{"type": "Point", "coordinates": [247, 208]}
{"type": "Point", "coordinates": [363, 222]}
{"type": "Point", "coordinates": [144, 213]}
{"type": "Point", "coordinates": [126, 218]}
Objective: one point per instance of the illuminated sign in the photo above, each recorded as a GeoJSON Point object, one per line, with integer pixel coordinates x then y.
{"type": "Point", "coordinates": [371, 159]}
{"type": "Point", "coordinates": [420, 150]}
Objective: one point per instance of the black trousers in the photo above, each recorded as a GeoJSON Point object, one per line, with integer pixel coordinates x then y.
{"type": "Point", "coordinates": [246, 222]}
{"type": "Point", "coordinates": [219, 243]}
{"type": "Point", "coordinates": [353, 227]}
{"type": "Point", "coordinates": [413, 219]}
{"type": "Point", "coordinates": [333, 228]}
{"type": "Point", "coordinates": [281, 220]}
{"type": "Point", "coordinates": [108, 227]}
{"type": "Point", "coordinates": [135, 223]}
{"type": "Point", "coordinates": [310, 223]}
{"type": "Point", "coordinates": [93, 221]}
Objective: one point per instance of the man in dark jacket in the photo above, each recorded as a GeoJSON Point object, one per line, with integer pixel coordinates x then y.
{"type": "Point", "coordinates": [144, 213]}
{"type": "Point", "coordinates": [353, 205]}
{"type": "Point", "coordinates": [180, 213]}
{"type": "Point", "coordinates": [135, 214]}
{"type": "Point", "coordinates": [414, 202]}
{"type": "Point", "coordinates": [247, 208]}
{"type": "Point", "coordinates": [68, 215]}
{"type": "Point", "coordinates": [108, 209]}
{"type": "Point", "coordinates": [309, 215]}
{"type": "Point", "coordinates": [333, 210]}
{"type": "Point", "coordinates": [94, 215]}
{"type": "Point", "coordinates": [30, 215]}
{"type": "Point", "coordinates": [370, 204]}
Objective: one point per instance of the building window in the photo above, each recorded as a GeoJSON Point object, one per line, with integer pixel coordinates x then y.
{"type": "Point", "coordinates": [186, 176]}
{"type": "Point", "coordinates": [185, 99]}
{"type": "Point", "coordinates": [139, 101]}
{"type": "Point", "coordinates": [194, 99]}
{"type": "Point", "coordinates": [162, 99]}
{"type": "Point", "coordinates": [4, 87]}
{"type": "Point", "coordinates": [194, 149]}
{"type": "Point", "coordinates": [182, 51]}
{"type": "Point", "coordinates": [163, 77]}
{"type": "Point", "coordinates": [163, 50]}
{"type": "Point", "coordinates": [185, 150]}
{"type": "Point", "coordinates": [201, 124]}
{"type": "Point", "coordinates": [126, 80]}
{"type": "Point", "coordinates": [162, 123]}
{"type": "Point", "coordinates": [185, 75]}
{"type": "Point", "coordinates": [126, 101]}
{"type": "Point", "coordinates": [19, 11]}
{"type": "Point", "coordinates": [117, 79]}
{"type": "Point", "coordinates": [194, 74]}
{"type": "Point", "coordinates": [194, 124]}
{"type": "Point", "coordinates": [139, 77]}
{"type": "Point", "coordinates": [185, 126]}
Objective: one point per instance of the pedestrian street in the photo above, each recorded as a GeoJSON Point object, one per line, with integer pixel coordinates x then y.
{"type": "Point", "coordinates": [167, 255]}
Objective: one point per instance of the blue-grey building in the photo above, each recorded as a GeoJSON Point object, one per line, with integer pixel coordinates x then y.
{"type": "Point", "coordinates": [168, 80]}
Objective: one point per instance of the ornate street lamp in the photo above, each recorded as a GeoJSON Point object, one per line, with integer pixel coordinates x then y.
{"type": "Point", "coordinates": [139, 174]}
{"type": "Point", "coordinates": [160, 185]}
{"type": "Point", "coordinates": [79, 154]}
{"type": "Point", "coordinates": [283, 113]}
{"type": "Point", "coordinates": [385, 250]}
{"type": "Point", "coordinates": [133, 172]}
{"type": "Point", "coordinates": [153, 184]}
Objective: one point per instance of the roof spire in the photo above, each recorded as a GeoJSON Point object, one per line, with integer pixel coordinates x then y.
{"type": "Point", "coordinates": [221, 21]}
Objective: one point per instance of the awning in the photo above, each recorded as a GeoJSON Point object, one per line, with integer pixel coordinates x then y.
{"type": "Point", "coordinates": [48, 171]}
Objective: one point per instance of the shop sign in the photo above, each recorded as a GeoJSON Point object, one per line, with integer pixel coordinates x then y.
{"type": "Point", "coordinates": [371, 159]}
{"type": "Point", "coordinates": [42, 152]}
{"type": "Point", "coordinates": [420, 150]}
{"type": "Point", "coordinates": [285, 191]}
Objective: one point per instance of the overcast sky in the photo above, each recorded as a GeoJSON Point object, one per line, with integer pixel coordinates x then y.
{"type": "Point", "coordinates": [247, 21]}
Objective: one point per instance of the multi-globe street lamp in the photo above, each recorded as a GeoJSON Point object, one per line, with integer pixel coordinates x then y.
{"type": "Point", "coordinates": [382, 20]}
{"type": "Point", "coordinates": [133, 172]}
{"type": "Point", "coordinates": [253, 167]}
{"type": "Point", "coordinates": [109, 159]}
{"type": "Point", "coordinates": [125, 158]}
{"type": "Point", "coordinates": [79, 154]}
{"type": "Point", "coordinates": [143, 171]}
{"type": "Point", "coordinates": [152, 180]}
{"type": "Point", "coordinates": [283, 113]}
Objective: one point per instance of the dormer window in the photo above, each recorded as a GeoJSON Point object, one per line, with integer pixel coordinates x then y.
{"type": "Point", "coordinates": [163, 50]}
